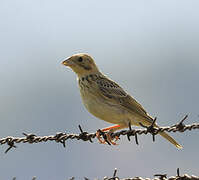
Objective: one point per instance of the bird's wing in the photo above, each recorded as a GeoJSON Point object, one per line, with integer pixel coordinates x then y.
{"type": "Point", "coordinates": [116, 95]}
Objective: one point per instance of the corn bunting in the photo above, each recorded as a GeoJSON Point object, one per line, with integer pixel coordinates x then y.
{"type": "Point", "coordinates": [106, 100]}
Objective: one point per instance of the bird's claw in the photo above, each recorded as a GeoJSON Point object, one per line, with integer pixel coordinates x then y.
{"type": "Point", "coordinates": [107, 138]}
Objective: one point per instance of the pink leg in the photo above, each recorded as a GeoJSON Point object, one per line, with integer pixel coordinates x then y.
{"type": "Point", "coordinates": [110, 129]}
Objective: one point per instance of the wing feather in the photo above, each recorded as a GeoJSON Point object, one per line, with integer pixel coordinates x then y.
{"type": "Point", "coordinates": [115, 94]}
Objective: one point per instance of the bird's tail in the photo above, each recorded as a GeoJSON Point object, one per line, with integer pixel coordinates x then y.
{"type": "Point", "coordinates": [170, 139]}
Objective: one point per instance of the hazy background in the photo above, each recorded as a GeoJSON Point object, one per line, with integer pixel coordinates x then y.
{"type": "Point", "coordinates": [150, 47]}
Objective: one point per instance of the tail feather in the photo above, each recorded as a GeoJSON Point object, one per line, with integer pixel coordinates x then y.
{"type": "Point", "coordinates": [147, 121]}
{"type": "Point", "coordinates": [170, 139]}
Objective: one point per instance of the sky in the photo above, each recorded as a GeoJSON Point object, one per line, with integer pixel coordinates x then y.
{"type": "Point", "coordinates": [149, 47]}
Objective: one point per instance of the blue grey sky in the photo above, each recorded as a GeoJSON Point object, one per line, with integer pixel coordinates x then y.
{"type": "Point", "coordinates": [150, 47]}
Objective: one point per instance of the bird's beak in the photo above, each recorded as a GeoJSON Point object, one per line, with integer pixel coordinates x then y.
{"type": "Point", "coordinates": [67, 62]}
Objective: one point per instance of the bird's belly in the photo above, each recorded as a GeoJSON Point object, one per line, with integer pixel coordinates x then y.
{"type": "Point", "coordinates": [99, 108]}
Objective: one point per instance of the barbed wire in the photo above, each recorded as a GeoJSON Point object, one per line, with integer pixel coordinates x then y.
{"type": "Point", "coordinates": [61, 137]}
{"type": "Point", "coordinates": [157, 177]}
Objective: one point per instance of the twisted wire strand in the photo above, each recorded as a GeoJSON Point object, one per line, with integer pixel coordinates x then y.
{"type": "Point", "coordinates": [157, 177]}
{"type": "Point", "coordinates": [182, 177]}
{"type": "Point", "coordinates": [85, 136]}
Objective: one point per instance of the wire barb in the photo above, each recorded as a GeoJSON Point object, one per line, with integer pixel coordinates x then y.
{"type": "Point", "coordinates": [30, 137]}
{"type": "Point", "coordinates": [114, 176]}
{"type": "Point", "coordinates": [59, 138]}
{"type": "Point", "coordinates": [132, 133]}
{"type": "Point", "coordinates": [115, 172]}
{"type": "Point", "coordinates": [151, 129]}
{"type": "Point", "coordinates": [180, 126]}
{"type": "Point", "coordinates": [161, 176]}
{"type": "Point", "coordinates": [10, 143]}
{"type": "Point", "coordinates": [178, 172]}
{"type": "Point", "coordinates": [84, 135]}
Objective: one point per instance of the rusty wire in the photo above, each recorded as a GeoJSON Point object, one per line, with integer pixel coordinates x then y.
{"type": "Point", "coordinates": [85, 136]}
{"type": "Point", "coordinates": [157, 177]}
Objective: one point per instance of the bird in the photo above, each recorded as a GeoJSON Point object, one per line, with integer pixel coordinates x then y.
{"type": "Point", "coordinates": [106, 100]}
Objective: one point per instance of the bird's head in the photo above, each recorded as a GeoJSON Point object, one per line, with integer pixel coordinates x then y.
{"type": "Point", "coordinates": [81, 64]}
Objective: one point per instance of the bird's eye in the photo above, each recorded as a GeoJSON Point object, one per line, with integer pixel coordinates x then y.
{"type": "Point", "coordinates": [80, 59]}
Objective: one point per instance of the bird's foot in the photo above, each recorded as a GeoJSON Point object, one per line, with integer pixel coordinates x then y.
{"type": "Point", "coordinates": [107, 137]}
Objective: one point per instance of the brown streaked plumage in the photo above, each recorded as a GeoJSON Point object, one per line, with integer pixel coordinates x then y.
{"type": "Point", "coordinates": [105, 99]}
